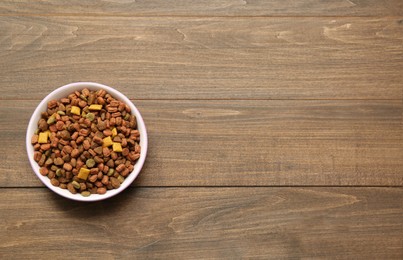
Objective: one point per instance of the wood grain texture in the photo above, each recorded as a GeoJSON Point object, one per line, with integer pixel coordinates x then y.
{"type": "Point", "coordinates": [246, 143]}
{"type": "Point", "coordinates": [205, 58]}
{"type": "Point", "coordinates": [205, 223]}
{"type": "Point", "coordinates": [205, 8]}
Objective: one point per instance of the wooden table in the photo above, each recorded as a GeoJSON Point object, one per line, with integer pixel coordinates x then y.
{"type": "Point", "coordinates": [275, 127]}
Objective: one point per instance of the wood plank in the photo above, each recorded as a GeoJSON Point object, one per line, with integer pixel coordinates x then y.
{"type": "Point", "coordinates": [205, 223]}
{"type": "Point", "coordinates": [209, 58]}
{"type": "Point", "coordinates": [205, 8]}
{"type": "Point", "coordinates": [244, 143]}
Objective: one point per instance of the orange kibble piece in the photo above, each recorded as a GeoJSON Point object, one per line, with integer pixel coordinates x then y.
{"type": "Point", "coordinates": [117, 147]}
{"type": "Point", "coordinates": [83, 174]}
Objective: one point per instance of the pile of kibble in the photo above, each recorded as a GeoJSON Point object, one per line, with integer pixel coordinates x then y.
{"type": "Point", "coordinates": [87, 142]}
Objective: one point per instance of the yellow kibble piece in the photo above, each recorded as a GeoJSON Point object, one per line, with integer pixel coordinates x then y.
{"type": "Point", "coordinates": [43, 138]}
{"type": "Point", "coordinates": [117, 147]}
{"type": "Point", "coordinates": [114, 132]}
{"type": "Point", "coordinates": [75, 110]}
{"type": "Point", "coordinates": [107, 141]}
{"type": "Point", "coordinates": [95, 107]}
{"type": "Point", "coordinates": [83, 173]}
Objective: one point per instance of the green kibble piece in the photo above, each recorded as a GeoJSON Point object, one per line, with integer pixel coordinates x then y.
{"type": "Point", "coordinates": [127, 116]}
{"type": "Point", "coordinates": [121, 178]}
{"type": "Point", "coordinates": [90, 116]}
{"type": "Point", "coordinates": [75, 184]}
{"type": "Point", "coordinates": [85, 193]}
{"type": "Point", "coordinates": [59, 172]}
{"type": "Point", "coordinates": [111, 172]}
{"type": "Point", "coordinates": [37, 131]}
{"type": "Point", "coordinates": [90, 163]}
{"type": "Point", "coordinates": [83, 97]}
{"type": "Point", "coordinates": [51, 120]}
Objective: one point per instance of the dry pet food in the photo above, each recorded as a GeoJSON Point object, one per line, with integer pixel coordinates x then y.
{"type": "Point", "coordinates": [87, 142]}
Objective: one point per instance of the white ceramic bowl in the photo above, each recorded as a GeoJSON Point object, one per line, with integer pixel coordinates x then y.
{"type": "Point", "coordinates": [64, 92]}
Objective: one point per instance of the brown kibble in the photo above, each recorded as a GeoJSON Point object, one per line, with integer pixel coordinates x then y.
{"type": "Point", "coordinates": [115, 182]}
{"type": "Point", "coordinates": [52, 104]}
{"type": "Point", "coordinates": [94, 171]}
{"type": "Point", "coordinates": [71, 188]}
{"type": "Point", "coordinates": [34, 139]}
{"type": "Point", "coordinates": [106, 152]}
{"type": "Point", "coordinates": [51, 174]}
{"type": "Point", "coordinates": [127, 108]}
{"type": "Point", "coordinates": [67, 149]}
{"type": "Point", "coordinates": [58, 161]}
{"type": "Point", "coordinates": [74, 136]}
{"type": "Point", "coordinates": [67, 167]}
{"type": "Point", "coordinates": [133, 156]}
{"type": "Point", "coordinates": [92, 152]}
{"type": "Point", "coordinates": [98, 184]}
{"type": "Point", "coordinates": [82, 103]}
{"type": "Point", "coordinates": [37, 156]}
{"type": "Point", "coordinates": [93, 178]}
{"type": "Point", "coordinates": [101, 101]}
{"type": "Point", "coordinates": [54, 142]}
{"type": "Point", "coordinates": [137, 148]}
{"type": "Point", "coordinates": [125, 172]}
{"type": "Point", "coordinates": [54, 182]}
{"type": "Point", "coordinates": [44, 171]}
{"type": "Point", "coordinates": [48, 162]}
{"type": "Point", "coordinates": [45, 147]}
{"type": "Point", "coordinates": [98, 150]}
{"type": "Point", "coordinates": [101, 190]}
{"type": "Point", "coordinates": [105, 180]}
{"type": "Point", "coordinates": [110, 163]}
{"type": "Point", "coordinates": [75, 153]}
{"type": "Point", "coordinates": [114, 155]}
{"type": "Point", "coordinates": [42, 160]}
{"type": "Point", "coordinates": [37, 147]}
{"type": "Point", "coordinates": [83, 187]}
{"type": "Point", "coordinates": [125, 151]}
{"type": "Point", "coordinates": [84, 132]}
{"type": "Point", "coordinates": [65, 135]}
{"type": "Point", "coordinates": [101, 125]}
{"type": "Point", "coordinates": [42, 125]}
{"type": "Point", "coordinates": [65, 100]}
{"type": "Point", "coordinates": [124, 142]}
{"type": "Point", "coordinates": [111, 109]}
{"type": "Point", "coordinates": [86, 144]}
{"type": "Point", "coordinates": [107, 132]}
{"type": "Point", "coordinates": [97, 139]}
{"type": "Point", "coordinates": [80, 139]}
{"type": "Point", "coordinates": [59, 125]}
{"type": "Point", "coordinates": [120, 168]}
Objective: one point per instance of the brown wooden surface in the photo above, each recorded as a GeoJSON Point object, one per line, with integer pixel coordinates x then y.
{"type": "Point", "coordinates": [244, 142]}
{"type": "Point", "coordinates": [245, 102]}
{"type": "Point", "coordinates": [202, 223]}
{"type": "Point", "coordinates": [205, 58]}
{"type": "Point", "coordinates": [205, 8]}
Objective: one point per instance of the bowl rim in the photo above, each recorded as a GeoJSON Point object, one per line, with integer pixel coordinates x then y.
{"type": "Point", "coordinates": [61, 92]}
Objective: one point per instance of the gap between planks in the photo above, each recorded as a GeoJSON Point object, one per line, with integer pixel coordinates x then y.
{"type": "Point", "coordinates": [196, 16]}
